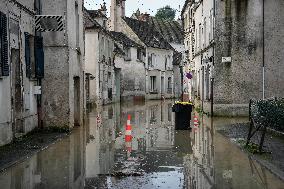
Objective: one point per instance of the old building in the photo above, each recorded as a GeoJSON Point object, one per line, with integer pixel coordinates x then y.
{"type": "Point", "coordinates": [20, 69]}
{"type": "Point", "coordinates": [132, 68]}
{"type": "Point", "coordinates": [159, 53]}
{"type": "Point", "coordinates": [63, 84]}
{"type": "Point", "coordinates": [227, 45]}
{"type": "Point", "coordinates": [101, 86]}
{"type": "Point", "coordinates": [172, 32]}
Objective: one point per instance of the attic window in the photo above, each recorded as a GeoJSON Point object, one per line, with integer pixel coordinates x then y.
{"type": "Point", "coordinates": [128, 54]}
{"type": "Point", "coordinates": [139, 54]}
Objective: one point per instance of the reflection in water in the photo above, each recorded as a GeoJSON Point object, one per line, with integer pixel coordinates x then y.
{"type": "Point", "coordinates": [217, 163]}
{"type": "Point", "coordinates": [59, 166]}
{"type": "Point", "coordinates": [159, 157]}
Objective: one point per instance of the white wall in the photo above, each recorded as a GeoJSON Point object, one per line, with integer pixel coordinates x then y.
{"type": "Point", "coordinates": [29, 109]}
{"type": "Point", "coordinates": [91, 60]}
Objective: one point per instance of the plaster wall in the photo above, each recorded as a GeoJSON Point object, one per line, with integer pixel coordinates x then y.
{"type": "Point", "coordinates": [132, 77]}
{"type": "Point", "coordinates": [22, 21]}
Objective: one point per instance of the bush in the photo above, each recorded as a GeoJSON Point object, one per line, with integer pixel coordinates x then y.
{"type": "Point", "coordinates": [269, 112]}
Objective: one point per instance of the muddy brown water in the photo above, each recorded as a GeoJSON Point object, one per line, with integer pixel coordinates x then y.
{"type": "Point", "coordinates": [97, 156]}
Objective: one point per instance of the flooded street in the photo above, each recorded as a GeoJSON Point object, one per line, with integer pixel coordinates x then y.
{"type": "Point", "coordinates": [157, 156]}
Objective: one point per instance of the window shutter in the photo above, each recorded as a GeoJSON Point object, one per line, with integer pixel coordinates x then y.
{"type": "Point", "coordinates": [28, 55]}
{"type": "Point", "coordinates": [39, 57]}
{"type": "Point", "coordinates": [4, 46]}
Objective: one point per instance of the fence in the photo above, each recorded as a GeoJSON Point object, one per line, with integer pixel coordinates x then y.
{"type": "Point", "coordinates": [269, 112]}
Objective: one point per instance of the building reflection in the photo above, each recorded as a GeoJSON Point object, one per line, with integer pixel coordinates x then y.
{"type": "Point", "coordinates": [88, 158]}
{"type": "Point", "coordinates": [200, 164]}
{"type": "Point", "coordinates": [152, 130]}
{"type": "Point", "coordinates": [217, 163]}
{"type": "Point", "coordinates": [60, 166]}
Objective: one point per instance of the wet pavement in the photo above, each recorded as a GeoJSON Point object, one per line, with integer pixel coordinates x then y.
{"type": "Point", "coordinates": [98, 156]}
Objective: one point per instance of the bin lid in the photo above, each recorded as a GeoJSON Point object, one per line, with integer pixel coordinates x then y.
{"type": "Point", "coordinates": [183, 103]}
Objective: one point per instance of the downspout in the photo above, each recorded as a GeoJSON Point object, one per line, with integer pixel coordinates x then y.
{"type": "Point", "coordinates": [39, 82]}
{"type": "Point", "coordinates": [263, 53]}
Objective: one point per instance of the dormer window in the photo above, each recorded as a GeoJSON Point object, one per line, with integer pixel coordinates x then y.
{"type": "Point", "coordinates": [166, 63]}
{"type": "Point", "coordinates": [151, 60]}
{"type": "Point", "coordinates": [128, 54]}
{"type": "Point", "coordinates": [139, 55]}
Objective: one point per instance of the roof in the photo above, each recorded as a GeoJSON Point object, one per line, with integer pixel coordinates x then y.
{"type": "Point", "coordinates": [147, 33]}
{"type": "Point", "coordinates": [96, 14]}
{"type": "Point", "coordinates": [171, 30]}
{"type": "Point", "coordinates": [177, 58]}
{"type": "Point", "coordinates": [89, 22]}
{"type": "Point", "coordinates": [185, 5]}
{"type": "Point", "coordinates": [123, 39]}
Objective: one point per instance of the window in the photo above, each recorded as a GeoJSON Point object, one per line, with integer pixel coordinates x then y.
{"type": "Point", "coordinates": [150, 60]}
{"type": "Point", "coordinates": [128, 54]}
{"type": "Point", "coordinates": [139, 54]}
{"type": "Point", "coordinates": [205, 33]}
{"type": "Point", "coordinates": [166, 63]}
{"type": "Point", "coordinates": [169, 85]}
{"type": "Point", "coordinates": [169, 112]}
{"type": "Point", "coordinates": [4, 64]}
{"type": "Point", "coordinates": [153, 114]}
{"type": "Point", "coordinates": [109, 78]}
{"type": "Point", "coordinates": [211, 26]}
{"type": "Point", "coordinates": [104, 23]}
{"type": "Point", "coordinates": [34, 56]}
{"type": "Point", "coordinates": [153, 84]}
{"type": "Point", "coordinates": [199, 37]}
{"type": "Point", "coordinates": [77, 24]}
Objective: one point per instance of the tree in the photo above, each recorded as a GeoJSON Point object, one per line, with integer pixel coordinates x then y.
{"type": "Point", "coordinates": [166, 13]}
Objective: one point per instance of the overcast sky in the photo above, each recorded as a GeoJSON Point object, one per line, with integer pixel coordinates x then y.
{"type": "Point", "coordinates": [149, 6]}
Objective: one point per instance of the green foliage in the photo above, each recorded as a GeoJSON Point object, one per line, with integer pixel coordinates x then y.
{"type": "Point", "coordinates": [269, 112]}
{"type": "Point", "coordinates": [166, 12]}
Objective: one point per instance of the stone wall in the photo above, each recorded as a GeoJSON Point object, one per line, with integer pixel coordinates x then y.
{"type": "Point", "coordinates": [238, 34]}
{"type": "Point", "coordinates": [64, 55]}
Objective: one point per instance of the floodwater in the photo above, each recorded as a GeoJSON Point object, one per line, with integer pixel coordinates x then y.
{"type": "Point", "coordinates": [98, 156]}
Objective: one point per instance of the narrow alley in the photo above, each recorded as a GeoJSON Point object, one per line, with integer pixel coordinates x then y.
{"type": "Point", "coordinates": [158, 156]}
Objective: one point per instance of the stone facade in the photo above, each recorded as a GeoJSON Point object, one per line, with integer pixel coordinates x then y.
{"type": "Point", "coordinates": [237, 33]}
{"type": "Point", "coordinates": [152, 76]}
{"type": "Point", "coordinates": [18, 99]}
{"type": "Point", "coordinates": [132, 66]}
{"type": "Point", "coordinates": [159, 74]}
{"type": "Point", "coordinates": [63, 84]}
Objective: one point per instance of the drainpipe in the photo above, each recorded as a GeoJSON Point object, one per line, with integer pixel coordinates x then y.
{"type": "Point", "coordinates": [263, 53]}
{"type": "Point", "coordinates": [39, 82]}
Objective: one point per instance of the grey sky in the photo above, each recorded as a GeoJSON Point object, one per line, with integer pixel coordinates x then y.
{"type": "Point", "coordinates": [149, 6]}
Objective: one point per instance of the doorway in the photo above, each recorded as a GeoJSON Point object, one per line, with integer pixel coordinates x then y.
{"type": "Point", "coordinates": [77, 104]}
{"type": "Point", "coordinates": [17, 95]}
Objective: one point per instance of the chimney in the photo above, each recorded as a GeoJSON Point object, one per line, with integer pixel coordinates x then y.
{"type": "Point", "coordinates": [144, 17]}
{"type": "Point", "coordinates": [138, 13]}
{"type": "Point", "coordinates": [104, 9]}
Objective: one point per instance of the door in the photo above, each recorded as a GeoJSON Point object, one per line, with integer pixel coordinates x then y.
{"type": "Point", "coordinates": [17, 95]}
{"type": "Point", "coordinates": [77, 104]}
